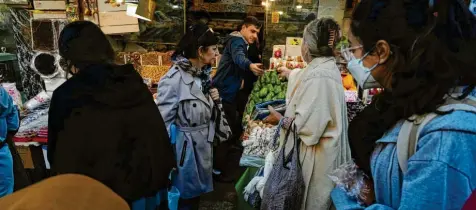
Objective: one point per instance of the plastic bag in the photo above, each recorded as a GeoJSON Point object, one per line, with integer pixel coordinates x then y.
{"type": "Point", "coordinates": [251, 161]}
{"type": "Point", "coordinates": [261, 110]}
{"type": "Point", "coordinates": [351, 180]}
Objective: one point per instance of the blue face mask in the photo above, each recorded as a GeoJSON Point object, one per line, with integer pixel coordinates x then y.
{"type": "Point", "coordinates": [362, 74]}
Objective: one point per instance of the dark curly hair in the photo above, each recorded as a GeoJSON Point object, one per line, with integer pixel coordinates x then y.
{"type": "Point", "coordinates": [433, 51]}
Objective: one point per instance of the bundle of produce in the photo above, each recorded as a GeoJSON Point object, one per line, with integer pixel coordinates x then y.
{"type": "Point", "coordinates": [258, 139]}
{"type": "Point", "coordinates": [269, 87]}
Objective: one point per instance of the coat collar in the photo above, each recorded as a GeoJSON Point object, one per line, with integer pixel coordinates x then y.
{"type": "Point", "coordinates": [320, 60]}
{"type": "Point", "coordinates": [188, 79]}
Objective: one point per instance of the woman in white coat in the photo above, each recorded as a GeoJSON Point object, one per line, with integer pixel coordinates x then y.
{"type": "Point", "coordinates": [316, 104]}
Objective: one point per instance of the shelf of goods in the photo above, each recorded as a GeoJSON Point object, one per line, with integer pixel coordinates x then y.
{"type": "Point", "coordinates": [233, 8]}
{"type": "Point", "coordinates": [151, 65]}
{"type": "Point", "coordinates": [258, 137]}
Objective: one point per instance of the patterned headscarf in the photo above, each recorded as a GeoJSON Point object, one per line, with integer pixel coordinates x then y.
{"type": "Point", "coordinates": [203, 73]}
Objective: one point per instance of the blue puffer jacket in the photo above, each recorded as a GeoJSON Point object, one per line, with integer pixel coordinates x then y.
{"type": "Point", "coordinates": [231, 69]}
{"type": "Point", "coordinates": [441, 174]}
{"type": "Point", "coordinates": [9, 121]}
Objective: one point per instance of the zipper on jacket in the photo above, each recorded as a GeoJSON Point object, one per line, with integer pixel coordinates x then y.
{"type": "Point", "coordinates": [184, 151]}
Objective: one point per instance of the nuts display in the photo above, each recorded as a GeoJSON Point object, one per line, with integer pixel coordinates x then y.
{"type": "Point", "coordinates": [154, 72]}
{"type": "Point", "coordinates": [151, 58]}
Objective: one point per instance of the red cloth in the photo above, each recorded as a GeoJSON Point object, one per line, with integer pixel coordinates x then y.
{"type": "Point", "coordinates": [471, 202]}
{"type": "Point", "coordinates": [42, 140]}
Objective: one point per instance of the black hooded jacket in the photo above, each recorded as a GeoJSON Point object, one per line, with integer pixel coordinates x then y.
{"type": "Point", "coordinates": [103, 123]}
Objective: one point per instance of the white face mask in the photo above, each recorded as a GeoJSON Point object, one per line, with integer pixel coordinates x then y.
{"type": "Point", "coordinates": [361, 73]}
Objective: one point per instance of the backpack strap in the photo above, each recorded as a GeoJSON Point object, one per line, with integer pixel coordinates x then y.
{"type": "Point", "coordinates": [410, 132]}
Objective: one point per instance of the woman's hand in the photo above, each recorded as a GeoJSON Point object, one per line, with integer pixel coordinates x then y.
{"type": "Point", "coordinates": [274, 117]}
{"type": "Point", "coordinates": [214, 94]}
{"type": "Point", "coordinates": [283, 72]}
{"type": "Point", "coordinates": [367, 194]}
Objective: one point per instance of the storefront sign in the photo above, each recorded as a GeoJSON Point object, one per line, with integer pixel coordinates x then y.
{"type": "Point", "coordinates": [293, 46]}
{"type": "Point", "coordinates": [275, 17]}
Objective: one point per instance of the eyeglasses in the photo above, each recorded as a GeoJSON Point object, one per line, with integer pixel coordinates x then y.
{"type": "Point", "coordinates": [348, 52]}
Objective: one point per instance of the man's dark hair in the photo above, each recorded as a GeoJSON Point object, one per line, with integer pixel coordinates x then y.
{"type": "Point", "coordinates": [250, 21]}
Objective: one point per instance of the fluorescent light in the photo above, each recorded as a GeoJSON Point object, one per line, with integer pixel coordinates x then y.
{"type": "Point", "coordinates": [299, 7]}
{"type": "Point", "coordinates": [280, 12]}
{"type": "Point", "coordinates": [263, 4]}
{"type": "Point", "coordinates": [175, 6]}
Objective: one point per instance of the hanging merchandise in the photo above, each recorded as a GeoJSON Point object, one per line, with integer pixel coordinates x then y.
{"type": "Point", "coordinates": [14, 93]}
{"type": "Point", "coordinates": [72, 12]}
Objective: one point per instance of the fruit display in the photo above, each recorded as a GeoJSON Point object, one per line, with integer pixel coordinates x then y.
{"type": "Point", "coordinates": [269, 87]}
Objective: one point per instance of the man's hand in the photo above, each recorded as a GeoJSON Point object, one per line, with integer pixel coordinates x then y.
{"type": "Point", "coordinates": [256, 69]}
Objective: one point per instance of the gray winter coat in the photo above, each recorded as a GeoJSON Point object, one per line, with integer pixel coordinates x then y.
{"type": "Point", "coordinates": [182, 102]}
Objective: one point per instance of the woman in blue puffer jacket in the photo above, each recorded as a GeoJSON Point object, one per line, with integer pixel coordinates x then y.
{"type": "Point", "coordinates": [9, 122]}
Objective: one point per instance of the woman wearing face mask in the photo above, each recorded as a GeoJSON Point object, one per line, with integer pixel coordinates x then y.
{"type": "Point", "coordinates": [316, 104]}
{"type": "Point", "coordinates": [188, 102]}
{"type": "Point", "coordinates": [424, 56]}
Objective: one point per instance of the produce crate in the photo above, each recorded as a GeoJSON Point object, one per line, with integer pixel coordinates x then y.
{"type": "Point", "coordinates": [268, 88]}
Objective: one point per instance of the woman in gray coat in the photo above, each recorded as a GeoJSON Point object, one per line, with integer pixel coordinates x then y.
{"type": "Point", "coordinates": [187, 101]}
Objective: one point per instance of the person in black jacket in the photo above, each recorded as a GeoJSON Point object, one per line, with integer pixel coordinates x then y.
{"type": "Point", "coordinates": [103, 122]}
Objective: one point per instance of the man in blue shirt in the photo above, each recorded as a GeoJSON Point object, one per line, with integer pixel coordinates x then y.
{"type": "Point", "coordinates": [234, 65]}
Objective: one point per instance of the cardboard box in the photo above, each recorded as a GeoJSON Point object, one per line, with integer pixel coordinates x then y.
{"type": "Point", "coordinates": [37, 15]}
{"type": "Point", "coordinates": [26, 158]}
{"type": "Point", "coordinates": [116, 19]}
{"type": "Point", "coordinates": [120, 29]}
{"type": "Point", "coordinates": [49, 5]}
{"type": "Point", "coordinates": [118, 23]}
{"type": "Point", "coordinates": [108, 7]}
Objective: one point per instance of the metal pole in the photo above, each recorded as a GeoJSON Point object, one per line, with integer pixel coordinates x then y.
{"type": "Point", "coordinates": [184, 16]}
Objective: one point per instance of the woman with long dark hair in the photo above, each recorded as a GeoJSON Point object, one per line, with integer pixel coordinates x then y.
{"type": "Point", "coordinates": [103, 122]}
{"type": "Point", "coordinates": [192, 112]}
{"type": "Point", "coordinates": [423, 53]}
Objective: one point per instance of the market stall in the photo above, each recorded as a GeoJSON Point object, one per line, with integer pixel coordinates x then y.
{"type": "Point", "coordinates": [144, 33]}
